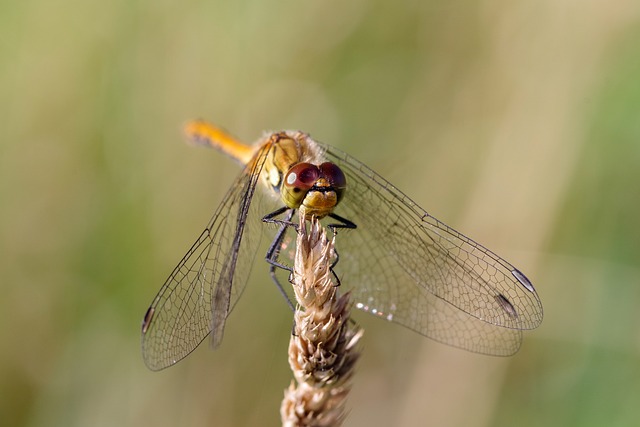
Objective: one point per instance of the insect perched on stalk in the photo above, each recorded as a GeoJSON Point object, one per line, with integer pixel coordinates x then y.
{"type": "Point", "coordinates": [403, 265]}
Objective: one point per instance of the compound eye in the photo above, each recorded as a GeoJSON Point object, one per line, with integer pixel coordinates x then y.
{"type": "Point", "coordinates": [297, 182]}
{"type": "Point", "coordinates": [332, 173]}
{"type": "Point", "coordinates": [302, 176]}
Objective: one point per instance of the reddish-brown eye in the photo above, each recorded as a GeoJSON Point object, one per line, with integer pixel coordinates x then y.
{"type": "Point", "coordinates": [297, 182]}
{"type": "Point", "coordinates": [302, 176]}
{"type": "Point", "coordinates": [335, 176]}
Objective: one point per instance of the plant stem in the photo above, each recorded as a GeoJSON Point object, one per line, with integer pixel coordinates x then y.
{"type": "Point", "coordinates": [322, 351]}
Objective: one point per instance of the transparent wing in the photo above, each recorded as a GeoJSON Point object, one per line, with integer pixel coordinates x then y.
{"type": "Point", "coordinates": [203, 288]}
{"type": "Point", "coordinates": [403, 265]}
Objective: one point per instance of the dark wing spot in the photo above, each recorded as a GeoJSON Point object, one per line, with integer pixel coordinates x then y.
{"type": "Point", "coordinates": [523, 279]}
{"type": "Point", "coordinates": [506, 306]}
{"type": "Point", "coordinates": [148, 316]}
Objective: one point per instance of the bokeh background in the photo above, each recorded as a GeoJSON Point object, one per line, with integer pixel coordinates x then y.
{"type": "Point", "coordinates": [516, 122]}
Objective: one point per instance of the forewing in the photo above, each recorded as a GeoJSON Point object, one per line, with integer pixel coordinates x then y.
{"type": "Point", "coordinates": [412, 269]}
{"type": "Point", "coordinates": [206, 284]}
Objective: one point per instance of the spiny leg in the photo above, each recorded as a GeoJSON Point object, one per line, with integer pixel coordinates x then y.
{"type": "Point", "coordinates": [273, 252]}
{"type": "Point", "coordinates": [344, 223]}
{"type": "Point", "coordinates": [276, 246]}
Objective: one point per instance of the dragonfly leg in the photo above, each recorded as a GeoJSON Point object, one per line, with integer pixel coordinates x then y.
{"type": "Point", "coordinates": [344, 223]}
{"type": "Point", "coordinates": [274, 249]}
{"type": "Point", "coordinates": [271, 218]}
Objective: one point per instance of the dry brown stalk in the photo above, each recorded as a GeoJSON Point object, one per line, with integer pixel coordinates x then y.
{"type": "Point", "coordinates": [322, 352]}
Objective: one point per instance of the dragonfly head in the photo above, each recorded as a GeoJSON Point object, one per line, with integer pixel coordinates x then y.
{"type": "Point", "coordinates": [314, 189]}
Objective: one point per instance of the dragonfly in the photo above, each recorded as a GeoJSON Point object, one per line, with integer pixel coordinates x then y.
{"type": "Point", "coordinates": [400, 263]}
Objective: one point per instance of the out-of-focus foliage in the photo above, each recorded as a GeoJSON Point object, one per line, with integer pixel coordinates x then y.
{"type": "Point", "coordinates": [516, 122]}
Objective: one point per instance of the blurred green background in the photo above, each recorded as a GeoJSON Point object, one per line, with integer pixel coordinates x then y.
{"type": "Point", "coordinates": [516, 122]}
